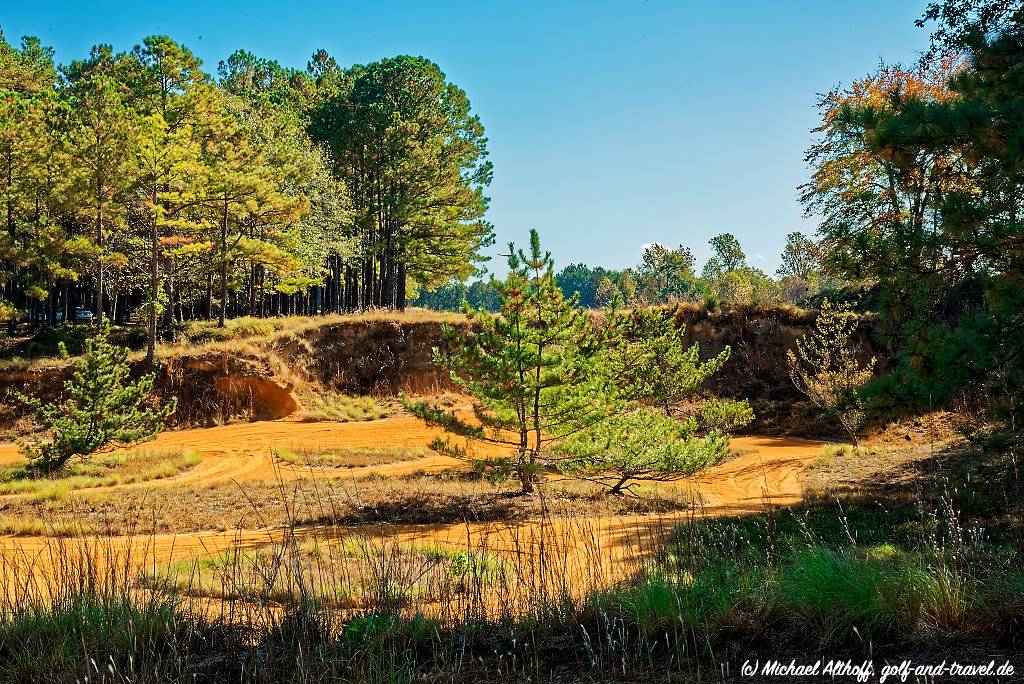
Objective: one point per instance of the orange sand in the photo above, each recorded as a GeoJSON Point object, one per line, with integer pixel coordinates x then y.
{"type": "Point", "coordinates": [768, 473]}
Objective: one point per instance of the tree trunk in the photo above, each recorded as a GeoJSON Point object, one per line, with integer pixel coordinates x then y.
{"type": "Point", "coordinates": [336, 294]}
{"type": "Point", "coordinates": [169, 291]}
{"type": "Point", "coordinates": [208, 301]}
{"type": "Point", "coordinates": [616, 488]}
{"type": "Point", "coordinates": [263, 292]}
{"type": "Point", "coordinates": [852, 434]}
{"type": "Point", "coordinates": [526, 478]}
{"type": "Point", "coordinates": [400, 299]}
{"type": "Point", "coordinates": [99, 264]}
{"type": "Point", "coordinates": [223, 265]}
{"type": "Point", "coordinates": [53, 299]}
{"type": "Point", "coordinates": [367, 282]}
{"type": "Point", "coordinates": [252, 290]}
{"type": "Point", "coordinates": [154, 281]}
{"type": "Point", "coordinates": [12, 323]}
{"type": "Point", "coordinates": [350, 289]}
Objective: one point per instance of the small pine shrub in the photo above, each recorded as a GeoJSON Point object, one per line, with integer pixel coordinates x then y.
{"type": "Point", "coordinates": [100, 409]}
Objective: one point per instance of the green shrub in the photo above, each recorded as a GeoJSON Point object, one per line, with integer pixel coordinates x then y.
{"type": "Point", "coordinates": [837, 591]}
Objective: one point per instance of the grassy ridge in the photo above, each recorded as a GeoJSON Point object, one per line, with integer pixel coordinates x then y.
{"type": "Point", "coordinates": [42, 347]}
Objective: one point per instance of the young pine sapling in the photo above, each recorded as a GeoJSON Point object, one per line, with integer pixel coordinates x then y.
{"type": "Point", "coordinates": [527, 368]}
{"type": "Point", "coordinates": [99, 410]}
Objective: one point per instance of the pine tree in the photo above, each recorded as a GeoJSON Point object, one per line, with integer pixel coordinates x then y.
{"type": "Point", "coordinates": [100, 144]}
{"type": "Point", "coordinates": [640, 444]}
{"type": "Point", "coordinates": [414, 157]}
{"type": "Point", "coordinates": [665, 275]}
{"type": "Point", "coordinates": [652, 361]}
{"type": "Point", "coordinates": [100, 409]}
{"type": "Point", "coordinates": [243, 192]}
{"type": "Point", "coordinates": [528, 369]}
{"type": "Point", "coordinates": [647, 372]}
{"type": "Point", "coordinates": [135, 179]}
{"type": "Point", "coordinates": [596, 402]}
{"type": "Point", "coordinates": [826, 368]}
{"type": "Point", "coordinates": [173, 96]}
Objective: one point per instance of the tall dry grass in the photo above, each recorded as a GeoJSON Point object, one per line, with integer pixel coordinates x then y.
{"type": "Point", "coordinates": [561, 598]}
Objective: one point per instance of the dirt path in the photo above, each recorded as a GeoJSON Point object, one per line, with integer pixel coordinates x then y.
{"type": "Point", "coordinates": [768, 472]}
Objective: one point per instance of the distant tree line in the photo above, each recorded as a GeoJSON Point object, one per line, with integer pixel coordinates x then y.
{"type": "Point", "coordinates": [668, 276]}
{"type": "Point", "coordinates": [136, 185]}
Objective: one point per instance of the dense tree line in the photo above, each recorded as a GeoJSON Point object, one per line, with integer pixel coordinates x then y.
{"type": "Point", "coordinates": [136, 185]}
{"type": "Point", "coordinates": [668, 276]}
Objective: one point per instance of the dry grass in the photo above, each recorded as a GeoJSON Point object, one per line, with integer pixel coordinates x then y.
{"type": "Point", "coordinates": [829, 454]}
{"type": "Point", "coordinates": [12, 526]}
{"type": "Point", "coordinates": [17, 364]}
{"type": "Point", "coordinates": [348, 457]}
{"type": "Point", "coordinates": [244, 335]}
{"type": "Point", "coordinates": [342, 573]}
{"type": "Point", "coordinates": [104, 470]}
{"type": "Point", "coordinates": [351, 604]}
{"type": "Point", "coordinates": [841, 469]}
{"type": "Point", "coordinates": [283, 327]}
{"type": "Point", "coordinates": [451, 497]}
{"type": "Point", "coordinates": [344, 408]}
{"type": "Point", "coordinates": [244, 347]}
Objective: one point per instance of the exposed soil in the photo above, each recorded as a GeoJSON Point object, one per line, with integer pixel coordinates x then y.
{"type": "Point", "coordinates": [768, 472]}
{"type": "Point", "coordinates": [757, 370]}
{"type": "Point", "coordinates": [252, 378]}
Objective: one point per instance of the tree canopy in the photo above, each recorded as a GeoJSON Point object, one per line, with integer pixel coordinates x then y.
{"type": "Point", "coordinates": [138, 186]}
{"type": "Point", "coordinates": [917, 175]}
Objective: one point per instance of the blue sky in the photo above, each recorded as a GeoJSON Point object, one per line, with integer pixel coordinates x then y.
{"type": "Point", "coordinates": [611, 124]}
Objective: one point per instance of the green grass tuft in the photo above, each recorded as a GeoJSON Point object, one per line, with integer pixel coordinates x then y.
{"type": "Point", "coordinates": [348, 457]}
{"type": "Point", "coordinates": [343, 408]}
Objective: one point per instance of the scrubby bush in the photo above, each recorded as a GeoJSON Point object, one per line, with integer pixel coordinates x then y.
{"type": "Point", "coordinates": [826, 367]}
